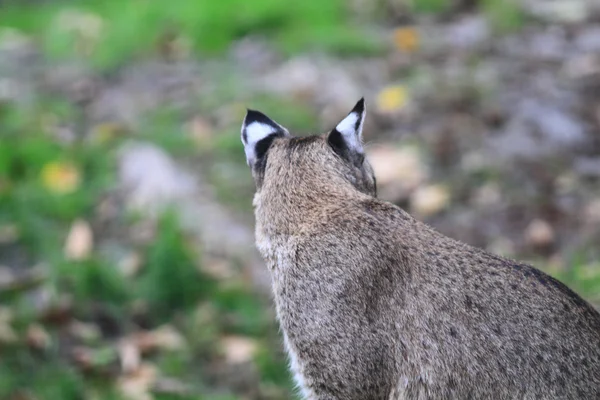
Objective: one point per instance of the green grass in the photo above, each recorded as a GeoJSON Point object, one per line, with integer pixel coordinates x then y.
{"type": "Point", "coordinates": [170, 279]}
{"type": "Point", "coordinates": [137, 28]}
{"type": "Point", "coordinates": [429, 6]}
{"type": "Point", "coordinates": [504, 15]}
{"type": "Point", "coordinates": [170, 283]}
{"type": "Point", "coordinates": [583, 277]}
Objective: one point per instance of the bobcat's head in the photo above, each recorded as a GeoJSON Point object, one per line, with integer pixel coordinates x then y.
{"type": "Point", "coordinates": [316, 165]}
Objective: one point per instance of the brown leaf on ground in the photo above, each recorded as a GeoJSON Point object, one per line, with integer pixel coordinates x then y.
{"type": "Point", "coordinates": [406, 39]}
{"type": "Point", "coordinates": [137, 384]}
{"type": "Point", "coordinates": [429, 200]}
{"type": "Point", "coordinates": [539, 233]}
{"type": "Point", "coordinates": [129, 355]}
{"type": "Point", "coordinates": [165, 337]}
{"type": "Point", "coordinates": [218, 268]}
{"type": "Point", "coordinates": [7, 333]}
{"type": "Point", "coordinates": [38, 337]}
{"type": "Point", "coordinates": [79, 243]}
{"type": "Point", "coordinates": [398, 170]}
{"type": "Point", "coordinates": [238, 349]}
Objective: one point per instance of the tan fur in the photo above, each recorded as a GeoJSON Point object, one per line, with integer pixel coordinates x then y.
{"type": "Point", "coordinates": [374, 304]}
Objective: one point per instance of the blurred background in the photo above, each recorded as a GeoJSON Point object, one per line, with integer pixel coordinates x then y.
{"type": "Point", "coordinates": [127, 264]}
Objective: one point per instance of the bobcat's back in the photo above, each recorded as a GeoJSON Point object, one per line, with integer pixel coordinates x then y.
{"type": "Point", "coordinates": [376, 305]}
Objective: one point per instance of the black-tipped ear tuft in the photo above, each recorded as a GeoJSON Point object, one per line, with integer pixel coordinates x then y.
{"type": "Point", "coordinates": [255, 129]}
{"type": "Point", "coordinates": [359, 107]}
{"type": "Point", "coordinates": [346, 137]}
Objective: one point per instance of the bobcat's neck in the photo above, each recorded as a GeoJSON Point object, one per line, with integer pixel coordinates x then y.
{"type": "Point", "coordinates": [298, 212]}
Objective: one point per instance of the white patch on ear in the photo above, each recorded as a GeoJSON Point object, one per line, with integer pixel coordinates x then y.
{"type": "Point", "coordinates": [255, 132]}
{"type": "Point", "coordinates": [255, 128]}
{"type": "Point", "coordinates": [351, 127]}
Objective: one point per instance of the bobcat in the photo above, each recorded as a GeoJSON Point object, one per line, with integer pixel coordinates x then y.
{"type": "Point", "coordinates": [374, 304]}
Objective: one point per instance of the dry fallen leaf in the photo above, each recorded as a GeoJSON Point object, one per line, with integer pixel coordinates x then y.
{"type": "Point", "coordinates": [137, 384]}
{"type": "Point", "coordinates": [238, 349]}
{"type": "Point", "coordinates": [429, 200]}
{"type": "Point", "coordinates": [7, 333]}
{"type": "Point", "coordinates": [60, 177]}
{"type": "Point", "coordinates": [129, 354]}
{"type": "Point", "coordinates": [164, 337]}
{"type": "Point", "coordinates": [539, 233]}
{"type": "Point", "coordinates": [406, 39]}
{"type": "Point", "coordinates": [37, 337]}
{"type": "Point", "coordinates": [79, 243]}
{"type": "Point", "coordinates": [392, 99]}
{"type": "Point", "coordinates": [218, 268]}
{"type": "Point", "coordinates": [592, 211]}
{"type": "Point", "coordinates": [85, 332]}
{"type": "Point", "coordinates": [398, 170]}
{"type": "Point", "coordinates": [397, 164]}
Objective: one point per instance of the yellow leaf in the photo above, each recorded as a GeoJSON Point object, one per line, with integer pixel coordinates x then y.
{"type": "Point", "coordinates": [107, 131]}
{"type": "Point", "coordinates": [392, 98]}
{"type": "Point", "coordinates": [60, 177]}
{"type": "Point", "coordinates": [406, 39]}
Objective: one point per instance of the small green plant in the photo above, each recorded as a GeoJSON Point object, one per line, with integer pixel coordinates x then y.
{"type": "Point", "coordinates": [584, 278]}
{"type": "Point", "coordinates": [46, 379]}
{"type": "Point", "coordinates": [45, 184]}
{"type": "Point", "coordinates": [94, 280]}
{"type": "Point", "coordinates": [429, 6]}
{"type": "Point", "coordinates": [171, 280]}
{"type": "Point", "coordinates": [505, 15]}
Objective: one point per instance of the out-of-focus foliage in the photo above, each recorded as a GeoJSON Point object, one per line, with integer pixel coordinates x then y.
{"type": "Point", "coordinates": [126, 261]}
{"type": "Point", "coordinates": [109, 33]}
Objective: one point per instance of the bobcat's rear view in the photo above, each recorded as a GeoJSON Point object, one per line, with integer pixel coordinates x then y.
{"type": "Point", "coordinates": [374, 304]}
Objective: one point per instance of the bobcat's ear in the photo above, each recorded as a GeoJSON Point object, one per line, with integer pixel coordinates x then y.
{"type": "Point", "coordinates": [258, 132]}
{"type": "Point", "coordinates": [346, 137]}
